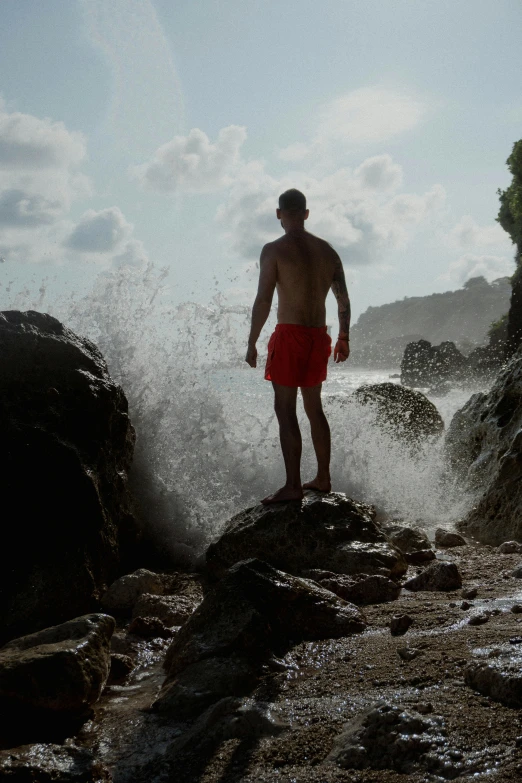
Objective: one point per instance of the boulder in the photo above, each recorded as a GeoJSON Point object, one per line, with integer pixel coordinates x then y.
{"type": "Point", "coordinates": [400, 624]}
{"type": "Point", "coordinates": [55, 675]}
{"type": "Point", "coordinates": [497, 673]}
{"type": "Point", "coordinates": [254, 610]}
{"type": "Point", "coordinates": [330, 532]}
{"type": "Point", "coordinates": [170, 609]}
{"type": "Point", "coordinates": [121, 667]}
{"type": "Point", "coordinates": [484, 450]}
{"type": "Point", "coordinates": [448, 539]}
{"type": "Point", "coordinates": [46, 763]}
{"type": "Point", "coordinates": [391, 736]}
{"type": "Point", "coordinates": [405, 413]}
{"type": "Point", "coordinates": [414, 544]}
{"type": "Point", "coordinates": [509, 548]}
{"type": "Point", "coordinates": [362, 589]}
{"type": "Point", "coordinates": [150, 628]}
{"type": "Point", "coordinates": [125, 591]}
{"type": "Point", "coordinates": [427, 365]}
{"type": "Point", "coordinates": [437, 576]}
{"type": "Point", "coordinates": [67, 443]}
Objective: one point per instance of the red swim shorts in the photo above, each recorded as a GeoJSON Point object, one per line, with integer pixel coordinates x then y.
{"type": "Point", "coordinates": [298, 355]}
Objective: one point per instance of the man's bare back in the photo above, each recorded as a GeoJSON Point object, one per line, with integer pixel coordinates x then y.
{"type": "Point", "coordinates": [303, 268]}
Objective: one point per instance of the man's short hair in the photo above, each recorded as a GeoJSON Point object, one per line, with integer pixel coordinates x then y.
{"type": "Point", "coordinates": [292, 201]}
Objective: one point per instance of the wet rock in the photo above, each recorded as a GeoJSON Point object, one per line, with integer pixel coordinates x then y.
{"type": "Point", "coordinates": [125, 591]}
{"type": "Point", "coordinates": [414, 544]}
{"type": "Point", "coordinates": [435, 366]}
{"type": "Point", "coordinates": [484, 448]}
{"type": "Point", "coordinates": [466, 605]}
{"type": "Point", "coordinates": [408, 653]}
{"type": "Point", "coordinates": [408, 414]}
{"type": "Point", "coordinates": [253, 606]}
{"type": "Point", "coordinates": [329, 532]}
{"type": "Point", "coordinates": [57, 673]}
{"type": "Point", "coordinates": [479, 619]}
{"type": "Point", "coordinates": [469, 592]}
{"type": "Point", "coordinates": [400, 624]}
{"type": "Point", "coordinates": [509, 548]}
{"type": "Point", "coordinates": [150, 628]}
{"type": "Point", "coordinates": [363, 589]}
{"type": "Point", "coordinates": [497, 675]}
{"type": "Point", "coordinates": [517, 572]}
{"type": "Point", "coordinates": [46, 763]}
{"type": "Point", "coordinates": [201, 684]}
{"type": "Point", "coordinates": [170, 609]}
{"type": "Point", "coordinates": [391, 737]}
{"type": "Point", "coordinates": [121, 667]}
{"type": "Point", "coordinates": [516, 608]}
{"type": "Point", "coordinates": [68, 442]}
{"type": "Point", "coordinates": [437, 576]}
{"type": "Point", "coordinates": [447, 538]}
{"type": "Point", "coordinates": [253, 611]}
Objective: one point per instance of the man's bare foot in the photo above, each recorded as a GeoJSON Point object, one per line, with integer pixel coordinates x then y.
{"type": "Point", "coordinates": [318, 485]}
{"type": "Point", "coordinates": [283, 495]}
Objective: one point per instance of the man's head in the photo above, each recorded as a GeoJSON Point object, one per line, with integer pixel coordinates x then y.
{"type": "Point", "coordinates": [292, 211]}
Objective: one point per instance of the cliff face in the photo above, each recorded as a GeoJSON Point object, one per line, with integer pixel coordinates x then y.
{"type": "Point", "coordinates": [464, 317]}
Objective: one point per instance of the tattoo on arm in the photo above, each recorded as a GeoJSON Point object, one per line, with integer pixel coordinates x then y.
{"type": "Point", "coordinates": [341, 294]}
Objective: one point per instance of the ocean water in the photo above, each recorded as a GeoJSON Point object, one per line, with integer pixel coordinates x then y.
{"type": "Point", "coordinates": [207, 437]}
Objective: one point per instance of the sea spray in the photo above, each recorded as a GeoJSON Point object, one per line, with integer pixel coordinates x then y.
{"type": "Point", "coordinates": [207, 438]}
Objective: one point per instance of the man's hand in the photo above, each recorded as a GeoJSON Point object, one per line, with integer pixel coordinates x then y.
{"type": "Point", "coordinates": [341, 351]}
{"type": "Point", "coordinates": [251, 355]}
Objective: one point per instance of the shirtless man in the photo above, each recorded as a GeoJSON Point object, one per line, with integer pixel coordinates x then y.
{"type": "Point", "coordinates": [303, 268]}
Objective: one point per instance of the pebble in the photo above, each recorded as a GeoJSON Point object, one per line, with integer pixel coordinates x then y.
{"type": "Point", "coordinates": [400, 624]}
{"type": "Point", "coordinates": [466, 605]}
{"type": "Point", "coordinates": [408, 653]}
{"type": "Point", "coordinates": [478, 619]}
{"type": "Point", "coordinates": [516, 608]}
{"type": "Point", "coordinates": [469, 592]}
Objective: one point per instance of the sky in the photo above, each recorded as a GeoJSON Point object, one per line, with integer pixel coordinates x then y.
{"type": "Point", "coordinates": [140, 131]}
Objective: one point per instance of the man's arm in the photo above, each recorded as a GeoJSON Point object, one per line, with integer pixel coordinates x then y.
{"type": "Point", "coordinates": [342, 346]}
{"type": "Point", "coordinates": [263, 301]}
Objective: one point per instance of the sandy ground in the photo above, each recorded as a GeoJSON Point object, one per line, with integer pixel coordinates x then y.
{"type": "Point", "coordinates": [330, 683]}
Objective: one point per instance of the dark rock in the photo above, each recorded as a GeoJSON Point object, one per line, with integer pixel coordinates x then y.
{"type": "Point", "coordinates": [392, 737]}
{"type": "Point", "coordinates": [170, 609]}
{"type": "Point", "coordinates": [121, 667]}
{"type": "Point", "coordinates": [67, 443]}
{"type": "Point", "coordinates": [330, 532]}
{"type": "Point", "coordinates": [484, 448]}
{"type": "Point", "coordinates": [55, 675]}
{"type": "Point", "coordinates": [447, 538]}
{"type": "Point", "coordinates": [469, 592]}
{"type": "Point", "coordinates": [516, 608]}
{"type": "Point", "coordinates": [405, 413]}
{"type": "Point", "coordinates": [362, 589]}
{"type": "Point", "coordinates": [517, 572]}
{"type": "Point", "coordinates": [509, 548]}
{"type": "Point", "coordinates": [497, 673]}
{"type": "Point", "coordinates": [479, 619]}
{"type": "Point", "coordinates": [43, 763]}
{"type": "Point", "coordinates": [201, 684]}
{"type": "Point", "coordinates": [414, 544]}
{"type": "Point", "coordinates": [437, 576]}
{"type": "Point", "coordinates": [125, 591]}
{"type": "Point", "coordinates": [400, 624]}
{"type": "Point", "coordinates": [408, 653]}
{"type": "Point", "coordinates": [150, 628]}
{"type": "Point", "coordinates": [429, 366]}
{"type": "Point", "coordinates": [466, 605]}
{"type": "Point", "coordinates": [253, 611]}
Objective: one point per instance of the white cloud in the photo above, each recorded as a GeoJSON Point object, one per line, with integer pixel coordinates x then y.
{"type": "Point", "coordinates": [193, 163]}
{"type": "Point", "coordinates": [471, 265]}
{"type": "Point", "coordinates": [28, 142]}
{"type": "Point", "coordinates": [467, 233]}
{"type": "Point", "coordinates": [359, 211]}
{"type": "Point", "coordinates": [368, 115]}
{"type": "Point", "coordinates": [100, 232]}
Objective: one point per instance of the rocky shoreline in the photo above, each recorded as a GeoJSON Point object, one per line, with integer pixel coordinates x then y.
{"type": "Point", "coordinates": [317, 642]}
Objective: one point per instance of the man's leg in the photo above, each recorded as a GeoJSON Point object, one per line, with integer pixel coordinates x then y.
{"type": "Point", "coordinates": [291, 446]}
{"type": "Point", "coordinates": [320, 437]}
